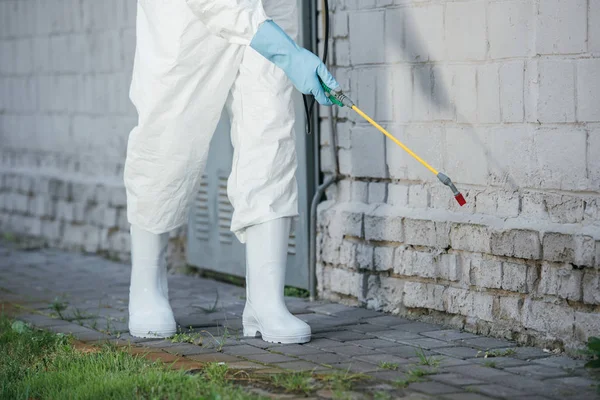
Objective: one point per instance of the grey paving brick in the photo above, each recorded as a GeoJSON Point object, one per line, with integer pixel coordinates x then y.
{"type": "Point", "coordinates": [158, 343]}
{"type": "Point", "coordinates": [67, 329]}
{"type": "Point", "coordinates": [560, 362]}
{"type": "Point", "coordinates": [390, 376]}
{"type": "Point", "coordinates": [365, 328]}
{"type": "Point", "coordinates": [458, 352]}
{"type": "Point", "coordinates": [387, 320]}
{"type": "Point", "coordinates": [256, 342]}
{"type": "Point", "coordinates": [244, 350]}
{"type": "Point", "coordinates": [478, 372]}
{"type": "Point", "coordinates": [42, 321]}
{"type": "Point", "coordinates": [294, 349]}
{"type": "Point", "coordinates": [329, 309]}
{"type": "Point", "coordinates": [405, 351]}
{"type": "Point", "coordinates": [425, 343]}
{"type": "Point", "coordinates": [396, 335]}
{"type": "Point", "coordinates": [356, 366]}
{"type": "Point", "coordinates": [324, 343]}
{"type": "Point", "coordinates": [466, 396]}
{"type": "Point", "coordinates": [527, 384]}
{"type": "Point", "coordinates": [373, 343]}
{"type": "Point", "coordinates": [345, 336]}
{"type": "Point", "coordinates": [359, 313]}
{"type": "Point", "coordinates": [434, 388]}
{"type": "Point", "coordinates": [526, 353]}
{"type": "Point", "coordinates": [531, 397]}
{"type": "Point", "coordinates": [418, 327]}
{"type": "Point", "coordinates": [442, 361]}
{"type": "Point", "coordinates": [188, 349]}
{"type": "Point", "coordinates": [301, 366]}
{"type": "Point", "coordinates": [352, 350]}
{"type": "Point", "coordinates": [484, 343]}
{"type": "Point", "coordinates": [500, 362]}
{"type": "Point", "coordinates": [456, 379]}
{"type": "Point", "coordinates": [90, 335]}
{"type": "Point", "coordinates": [269, 358]}
{"type": "Point", "coordinates": [449, 335]}
{"type": "Point", "coordinates": [575, 381]}
{"type": "Point", "coordinates": [379, 358]}
{"type": "Point", "coordinates": [325, 358]}
{"type": "Point", "coordinates": [538, 371]}
{"type": "Point", "coordinates": [496, 391]}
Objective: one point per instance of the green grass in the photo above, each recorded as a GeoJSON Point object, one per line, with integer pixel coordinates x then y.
{"type": "Point", "coordinates": [490, 364]}
{"type": "Point", "coordinates": [388, 365]}
{"type": "Point", "coordinates": [296, 292]}
{"type": "Point", "coordinates": [495, 353]}
{"type": "Point", "coordinates": [295, 382]}
{"type": "Point", "coordinates": [42, 365]}
{"type": "Point", "coordinates": [429, 361]}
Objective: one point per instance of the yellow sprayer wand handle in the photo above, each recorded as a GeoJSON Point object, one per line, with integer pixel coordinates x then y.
{"type": "Point", "coordinates": [399, 143]}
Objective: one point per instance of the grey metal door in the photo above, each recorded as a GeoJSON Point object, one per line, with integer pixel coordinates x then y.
{"type": "Point", "coordinates": [211, 245]}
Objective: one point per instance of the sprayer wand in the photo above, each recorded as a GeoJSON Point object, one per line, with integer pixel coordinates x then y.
{"type": "Point", "coordinates": [339, 98]}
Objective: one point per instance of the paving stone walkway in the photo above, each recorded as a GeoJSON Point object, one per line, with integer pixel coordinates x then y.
{"type": "Point", "coordinates": [91, 295]}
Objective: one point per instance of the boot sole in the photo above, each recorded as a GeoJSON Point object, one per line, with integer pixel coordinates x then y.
{"type": "Point", "coordinates": [252, 331]}
{"type": "Point", "coordinates": [152, 333]}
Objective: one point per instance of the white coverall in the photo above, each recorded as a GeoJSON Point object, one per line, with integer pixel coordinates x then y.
{"type": "Point", "coordinates": [192, 59]}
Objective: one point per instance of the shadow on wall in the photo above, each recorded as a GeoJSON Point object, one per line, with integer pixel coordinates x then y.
{"type": "Point", "coordinates": [443, 92]}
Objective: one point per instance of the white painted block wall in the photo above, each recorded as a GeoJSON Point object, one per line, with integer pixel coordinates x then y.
{"type": "Point", "coordinates": [503, 96]}
{"type": "Point", "coordinates": [65, 68]}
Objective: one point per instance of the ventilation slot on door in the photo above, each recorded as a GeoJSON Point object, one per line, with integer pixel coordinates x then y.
{"type": "Point", "coordinates": [201, 211]}
{"type": "Point", "coordinates": [292, 242]}
{"type": "Point", "coordinates": [225, 213]}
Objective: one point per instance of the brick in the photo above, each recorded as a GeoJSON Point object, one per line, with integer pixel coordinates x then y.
{"type": "Point", "coordinates": [442, 107]}
{"type": "Point", "coordinates": [561, 27]}
{"type": "Point", "coordinates": [594, 26]}
{"type": "Point", "coordinates": [464, 88]}
{"type": "Point", "coordinates": [458, 301]}
{"type": "Point", "coordinates": [488, 94]}
{"type": "Point", "coordinates": [591, 287]}
{"type": "Point", "coordinates": [560, 154]}
{"type": "Point", "coordinates": [423, 295]}
{"type": "Point", "coordinates": [409, 262]}
{"type": "Point", "coordinates": [514, 277]}
{"type": "Point", "coordinates": [588, 89]}
{"type": "Point", "coordinates": [553, 319]}
{"type": "Point", "coordinates": [415, 34]}
{"type": "Point", "coordinates": [402, 82]}
{"type": "Point", "coordinates": [517, 243]}
{"type": "Point", "coordinates": [462, 164]}
{"type": "Point", "coordinates": [377, 192]}
{"type": "Point", "coordinates": [509, 308]}
{"type": "Point", "coordinates": [578, 250]}
{"type": "Point", "coordinates": [485, 272]}
{"type": "Point", "coordinates": [339, 24]}
{"type": "Point", "coordinates": [470, 237]}
{"type": "Point", "coordinates": [383, 225]}
{"type": "Point", "coordinates": [426, 233]}
{"type": "Point", "coordinates": [383, 258]}
{"type": "Point", "coordinates": [421, 93]}
{"type": "Point", "coordinates": [418, 196]}
{"type": "Point", "coordinates": [594, 148]}
{"type": "Point", "coordinates": [366, 28]}
{"type": "Point", "coordinates": [398, 194]}
{"type": "Point", "coordinates": [561, 281]}
{"type": "Point", "coordinates": [366, 141]}
{"type": "Point", "coordinates": [555, 97]}
{"type": "Point", "coordinates": [342, 281]}
{"type": "Point", "coordinates": [384, 294]}
{"type": "Point", "coordinates": [465, 33]}
{"type": "Point", "coordinates": [511, 28]}
{"type": "Point", "coordinates": [586, 325]}
{"type": "Point", "coordinates": [512, 107]}
{"type": "Point", "coordinates": [425, 141]}
{"type": "Point", "coordinates": [564, 209]}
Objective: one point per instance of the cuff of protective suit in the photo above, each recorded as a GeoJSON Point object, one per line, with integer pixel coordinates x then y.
{"type": "Point", "coordinates": [259, 17]}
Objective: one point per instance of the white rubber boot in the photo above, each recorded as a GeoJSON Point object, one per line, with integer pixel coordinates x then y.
{"type": "Point", "coordinates": [265, 311]}
{"type": "Point", "coordinates": [150, 315]}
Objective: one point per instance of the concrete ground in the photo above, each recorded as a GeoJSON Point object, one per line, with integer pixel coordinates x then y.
{"type": "Point", "coordinates": [90, 293]}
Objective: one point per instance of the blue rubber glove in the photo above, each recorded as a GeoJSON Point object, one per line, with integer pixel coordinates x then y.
{"type": "Point", "coordinates": [300, 65]}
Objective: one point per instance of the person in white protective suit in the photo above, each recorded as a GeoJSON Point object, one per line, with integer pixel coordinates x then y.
{"type": "Point", "coordinates": [193, 58]}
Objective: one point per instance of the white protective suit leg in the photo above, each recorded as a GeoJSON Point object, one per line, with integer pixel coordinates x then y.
{"type": "Point", "coordinates": [265, 311]}
{"type": "Point", "coordinates": [183, 75]}
{"type": "Point", "coordinates": [150, 314]}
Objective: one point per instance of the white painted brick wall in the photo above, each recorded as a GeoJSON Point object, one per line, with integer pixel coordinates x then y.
{"type": "Point", "coordinates": [502, 95]}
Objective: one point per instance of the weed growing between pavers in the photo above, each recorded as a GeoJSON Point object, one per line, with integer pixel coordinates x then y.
{"type": "Point", "coordinates": [388, 365]}
{"type": "Point", "coordinates": [43, 365]}
{"type": "Point", "coordinates": [429, 361]}
{"type": "Point", "coordinates": [593, 351]}
{"type": "Point", "coordinates": [495, 353]}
